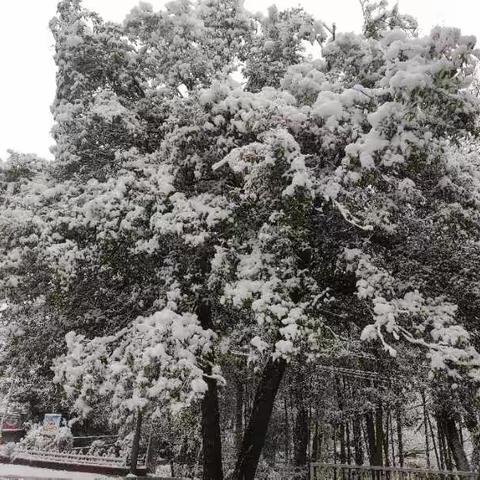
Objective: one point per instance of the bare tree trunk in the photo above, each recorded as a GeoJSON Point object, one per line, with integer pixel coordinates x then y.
{"type": "Point", "coordinates": [334, 444]}
{"type": "Point", "coordinates": [400, 436]}
{"type": "Point", "coordinates": [454, 444]}
{"type": "Point", "coordinates": [317, 443]}
{"type": "Point", "coordinates": [136, 443]}
{"type": "Point", "coordinates": [379, 435]}
{"type": "Point", "coordinates": [392, 438]}
{"type": "Point", "coordinates": [239, 415]}
{"type": "Point", "coordinates": [340, 396]}
{"type": "Point", "coordinates": [471, 422]}
{"type": "Point", "coordinates": [255, 433]}
{"type": "Point", "coordinates": [348, 442]}
{"type": "Point", "coordinates": [386, 437]}
{"type": "Point", "coordinates": [425, 423]}
{"type": "Point", "coordinates": [309, 433]}
{"type": "Point", "coordinates": [371, 438]}
{"type": "Point", "coordinates": [300, 431]}
{"type": "Point", "coordinates": [432, 434]}
{"type": "Point", "coordinates": [212, 441]}
{"type": "Point", "coordinates": [287, 432]}
{"type": "Point", "coordinates": [343, 457]}
{"type": "Point", "coordinates": [211, 437]}
{"type": "Point", "coordinates": [442, 448]}
{"type": "Point", "coordinates": [365, 442]}
{"type": "Point", "coordinates": [357, 441]}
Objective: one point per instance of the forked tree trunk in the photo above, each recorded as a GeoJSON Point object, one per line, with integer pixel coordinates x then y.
{"type": "Point", "coordinates": [254, 437]}
{"type": "Point", "coordinates": [211, 438]}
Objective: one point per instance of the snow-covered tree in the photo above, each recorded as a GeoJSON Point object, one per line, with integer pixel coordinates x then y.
{"type": "Point", "coordinates": [185, 215]}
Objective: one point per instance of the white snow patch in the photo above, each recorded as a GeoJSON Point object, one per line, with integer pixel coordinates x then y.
{"type": "Point", "coordinates": [19, 471]}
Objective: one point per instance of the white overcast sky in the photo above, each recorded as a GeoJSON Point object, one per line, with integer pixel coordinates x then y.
{"type": "Point", "coordinates": [27, 75]}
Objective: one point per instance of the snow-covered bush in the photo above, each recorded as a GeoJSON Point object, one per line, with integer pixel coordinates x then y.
{"type": "Point", "coordinates": [37, 439]}
{"type": "Point", "coordinates": [8, 450]}
{"type": "Point", "coordinates": [63, 439]}
{"type": "Point", "coordinates": [156, 361]}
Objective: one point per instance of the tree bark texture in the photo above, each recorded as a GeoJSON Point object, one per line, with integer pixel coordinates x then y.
{"type": "Point", "coordinates": [256, 431]}
{"type": "Point", "coordinates": [136, 443]}
{"type": "Point", "coordinates": [300, 434]}
{"type": "Point", "coordinates": [211, 437]}
{"type": "Point", "coordinates": [454, 443]}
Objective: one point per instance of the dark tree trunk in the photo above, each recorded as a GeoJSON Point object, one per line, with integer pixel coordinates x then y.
{"type": "Point", "coordinates": [211, 438]}
{"type": "Point", "coordinates": [434, 443]}
{"type": "Point", "coordinates": [392, 438]}
{"type": "Point", "coordinates": [254, 437]}
{"type": "Point", "coordinates": [301, 434]}
{"type": "Point", "coordinates": [136, 443]}
{"type": "Point", "coordinates": [379, 435]}
{"type": "Point", "coordinates": [287, 431]}
{"type": "Point", "coordinates": [343, 454]}
{"type": "Point", "coordinates": [471, 422]}
{"type": "Point", "coordinates": [317, 443]}
{"type": "Point", "coordinates": [372, 439]}
{"type": "Point", "coordinates": [441, 442]}
{"type": "Point", "coordinates": [425, 424]}
{"type": "Point", "coordinates": [454, 443]}
{"type": "Point", "coordinates": [357, 441]}
{"type": "Point", "coordinates": [334, 444]}
{"type": "Point", "coordinates": [386, 441]}
{"type": "Point", "coordinates": [340, 396]}
{"type": "Point", "coordinates": [400, 436]}
{"type": "Point", "coordinates": [239, 416]}
{"type": "Point", "coordinates": [348, 442]}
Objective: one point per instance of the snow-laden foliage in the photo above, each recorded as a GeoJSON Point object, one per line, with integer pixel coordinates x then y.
{"type": "Point", "coordinates": [37, 439]}
{"type": "Point", "coordinates": [156, 358]}
{"type": "Point", "coordinates": [326, 196]}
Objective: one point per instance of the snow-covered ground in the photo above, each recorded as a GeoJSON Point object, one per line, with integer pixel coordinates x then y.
{"type": "Point", "coordinates": [23, 472]}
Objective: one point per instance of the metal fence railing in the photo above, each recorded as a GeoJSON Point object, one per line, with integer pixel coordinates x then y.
{"type": "Point", "coordinates": [325, 471]}
{"type": "Point", "coordinates": [59, 457]}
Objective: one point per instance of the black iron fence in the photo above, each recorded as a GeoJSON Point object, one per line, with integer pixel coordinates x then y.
{"type": "Point", "coordinates": [325, 471]}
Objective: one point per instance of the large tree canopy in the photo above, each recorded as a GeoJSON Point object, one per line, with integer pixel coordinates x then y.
{"type": "Point", "coordinates": [186, 215]}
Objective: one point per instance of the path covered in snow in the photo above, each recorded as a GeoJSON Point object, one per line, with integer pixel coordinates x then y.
{"type": "Point", "coordinates": [9, 471]}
